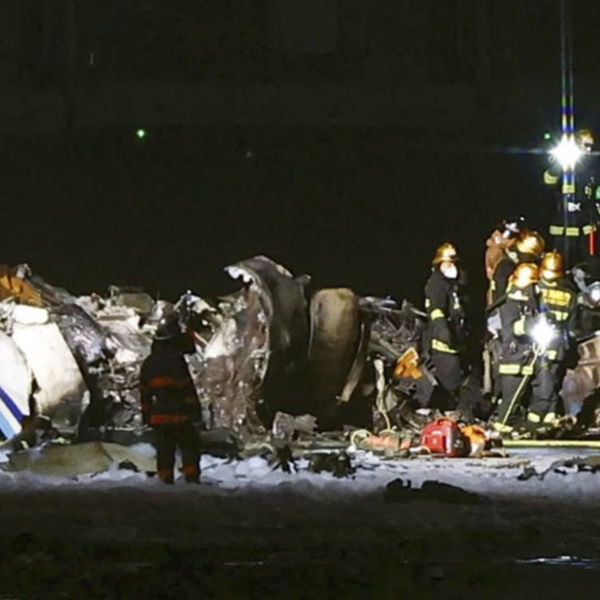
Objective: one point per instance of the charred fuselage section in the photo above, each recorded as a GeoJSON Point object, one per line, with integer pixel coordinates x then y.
{"type": "Point", "coordinates": [276, 346]}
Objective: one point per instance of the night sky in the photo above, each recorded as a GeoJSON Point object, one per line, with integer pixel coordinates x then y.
{"type": "Point", "coordinates": [363, 207]}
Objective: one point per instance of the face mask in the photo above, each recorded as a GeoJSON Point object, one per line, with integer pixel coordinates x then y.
{"type": "Point", "coordinates": [451, 272]}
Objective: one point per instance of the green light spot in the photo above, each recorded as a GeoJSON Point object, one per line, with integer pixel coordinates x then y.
{"type": "Point", "coordinates": [547, 136]}
{"type": "Point", "coordinates": [141, 134]}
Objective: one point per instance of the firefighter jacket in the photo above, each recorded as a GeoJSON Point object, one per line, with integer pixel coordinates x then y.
{"type": "Point", "coordinates": [558, 302]}
{"type": "Point", "coordinates": [499, 279]}
{"type": "Point", "coordinates": [517, 316]}
{"type": "Point", "coordinates": [577, 200]}
{"type": "Point", "coordinates": [168, 395]}
{"type": "Point", "coordinates": [496, 248]}
{"type": "Point", "coordinates": [446, 328]}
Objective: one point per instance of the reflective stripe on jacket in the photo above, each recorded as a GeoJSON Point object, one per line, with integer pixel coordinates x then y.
{"type": "Point", "coordinates": [517, 315]}
{"type": "Point", "coordinates": [168, 395]}
{"type": "Point", "coordinates": [446, 314]}
{"type": "Point", "coordinates": [558, 301]}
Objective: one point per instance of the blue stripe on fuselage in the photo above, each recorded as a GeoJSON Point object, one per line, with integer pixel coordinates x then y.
{"type": "Point", "coordinates": [12, 407]}
{"type": "Point", "coordinates": [6, 428]}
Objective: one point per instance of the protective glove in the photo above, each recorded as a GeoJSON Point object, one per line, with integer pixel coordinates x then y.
{"type": "Point", "coordinates": [494, 325]}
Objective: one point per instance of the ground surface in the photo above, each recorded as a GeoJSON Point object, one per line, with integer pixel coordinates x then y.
{"type": "Point", "coordinates": [250, 532]}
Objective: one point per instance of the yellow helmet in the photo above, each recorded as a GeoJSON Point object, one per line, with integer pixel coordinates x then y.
{"type": "Point", "coordinates": [445, 253]}
{"type": "Point", "coordinates": [552, 266]}
{"type": "Point", "coordinates": [525, 274]}
{"type": "Point", "coordinates": [585, 137]}
{"type": "Point", "coordinates": [531, 242]}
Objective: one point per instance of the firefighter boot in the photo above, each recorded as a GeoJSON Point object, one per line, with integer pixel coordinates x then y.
{"type": "Point", "coordinates": [166, 476]}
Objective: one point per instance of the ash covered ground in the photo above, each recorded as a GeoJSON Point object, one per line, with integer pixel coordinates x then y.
{"type": "Point", "coordinates": [251, 531]}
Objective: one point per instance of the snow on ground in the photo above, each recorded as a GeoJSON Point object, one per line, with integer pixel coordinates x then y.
{"type": "Point", "coordinates": [251, 531]}
{"type": "Point", "coordinates": [494, 477]}
{"type": "Point", "coordinates": [242, 495]}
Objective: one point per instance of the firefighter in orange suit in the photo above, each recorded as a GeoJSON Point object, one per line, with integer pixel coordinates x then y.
{"type": "Point", "coordinates": [499, 246]}
{"type": "Point", "coordinates": [169, 402]}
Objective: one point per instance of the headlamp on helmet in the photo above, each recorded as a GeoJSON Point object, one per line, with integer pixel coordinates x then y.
{"type": "Point", "coordinates": [594, 294]}
{"type": "Point", "coordinates": [567, 152]}
{"type": "Point", "coordinates": [511, 228]}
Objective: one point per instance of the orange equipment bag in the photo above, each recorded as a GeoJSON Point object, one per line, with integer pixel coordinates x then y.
{"type": "Point", "coordinates": [478, 439]}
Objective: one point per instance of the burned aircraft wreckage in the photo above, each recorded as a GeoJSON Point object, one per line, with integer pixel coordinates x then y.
{"type": "Point", "coordinates": [276, 347]}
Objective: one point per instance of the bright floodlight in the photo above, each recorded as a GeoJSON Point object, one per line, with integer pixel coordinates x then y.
{"type": "Point", "coordinates": [543, 333]}
{"type": "Point", "coordinates": [595, 293]}
{"type": "Point", "coordinates": [141, 134]}
{"type": "Point", "coordinates": [567, 152]}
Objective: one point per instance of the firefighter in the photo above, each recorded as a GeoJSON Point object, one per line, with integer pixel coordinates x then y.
{"type": "Point", "coordinates": [577, 201]}
{"type": "Point", "coordinates": [527, 247]}
{"type": "Point", "coordinates": [517, 315]}
{"type": "Point", "coordinates": [169, 401]}
{"type": "Point", "coordinates": [501, 241]}
{"type": "Point", "coordinates": [558, 304]}
{"type": "Point", "coordinates": [446, 332]}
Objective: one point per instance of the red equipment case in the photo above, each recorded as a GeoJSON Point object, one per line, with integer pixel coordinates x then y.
{"type": "Point", "coordinates": [443, 436]}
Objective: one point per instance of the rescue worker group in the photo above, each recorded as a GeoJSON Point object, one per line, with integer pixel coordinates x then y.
{"type": "Point", "coordinates": [531, 307]}
{"type": "Point", "coordinates": [529, 345]}
{"type": "Point", "coordinates": [531, 311]}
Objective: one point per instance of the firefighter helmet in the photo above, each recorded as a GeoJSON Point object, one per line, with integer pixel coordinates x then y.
{"type": "Point", "coordinates": [525, 274]}
{"type": "Point", "coordinates": [531, 242]}
{"type": "Point", "coordinates": [552, 266]}
{"type": "Point", "coordinates": [445, 253]}
{"type": "Point", "coordinates": [585, 137]}
{"type": "Point", "coordinates": [168, 328]}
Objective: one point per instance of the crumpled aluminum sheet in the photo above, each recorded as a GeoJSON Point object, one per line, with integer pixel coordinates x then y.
{"type": "Point", "coordinates": [86, 338]}
{"type": "Point", "coordinates": [393, 329]}
{"type": "Point", "coordinates": [234, 366]}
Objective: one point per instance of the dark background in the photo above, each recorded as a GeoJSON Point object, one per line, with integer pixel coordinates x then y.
{"type": "Point", "coordinates": [356, 205]}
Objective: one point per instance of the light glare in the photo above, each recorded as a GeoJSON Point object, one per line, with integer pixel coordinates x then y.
{"type": "Point", "coordinates": [543, 333]}
{"type": "Point", "coordinates": [595, 293]}
{"type": "Point", "coordinates": [567, 152]}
